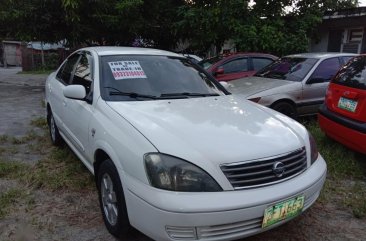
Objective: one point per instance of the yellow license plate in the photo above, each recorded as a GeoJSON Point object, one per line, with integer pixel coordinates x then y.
{"type": "Point", "coordinates": [283, 210]}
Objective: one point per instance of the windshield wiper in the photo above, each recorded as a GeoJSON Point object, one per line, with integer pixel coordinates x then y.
{"type": "Point", "coordinates": [130, 94]}
{"type": "Point", "coordinates": [188, 94]}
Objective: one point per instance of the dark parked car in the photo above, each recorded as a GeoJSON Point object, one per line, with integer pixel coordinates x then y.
{"type": "Point", "coordinates": [343, 115]}
{"type": "Point", "coordinates": [236, 66]}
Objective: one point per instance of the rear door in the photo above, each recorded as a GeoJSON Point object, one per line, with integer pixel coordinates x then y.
{"type": "Point", "coordinates": [234, 69]}
{"type": "Point", "coordinates": [347, 92]}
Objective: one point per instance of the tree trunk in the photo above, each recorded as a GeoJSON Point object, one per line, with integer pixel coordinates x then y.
{"type": "Point", "coordinates": [42, 54]}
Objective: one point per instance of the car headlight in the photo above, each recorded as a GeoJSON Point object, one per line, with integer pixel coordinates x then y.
{"type": "Point", "coordinates": [313, 149]}
{"type": "Point", "coordinates": [171, 173]}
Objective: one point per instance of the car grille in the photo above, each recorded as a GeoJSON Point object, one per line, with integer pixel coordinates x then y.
{"type": "Point", "coordinates": [263, 172]}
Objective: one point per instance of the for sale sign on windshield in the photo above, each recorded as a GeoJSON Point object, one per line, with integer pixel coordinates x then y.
{"type": "Point", "coordinates": [127, 70]}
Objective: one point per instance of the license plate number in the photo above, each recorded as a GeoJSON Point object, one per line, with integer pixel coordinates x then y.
{"type": "Point", "coordinates": [283, 210]}
{"type": "Point", "coordinates": [347, 104]}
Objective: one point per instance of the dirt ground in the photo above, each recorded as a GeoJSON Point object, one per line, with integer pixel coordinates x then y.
{"type": "Point", "coordinates": [75, 215]}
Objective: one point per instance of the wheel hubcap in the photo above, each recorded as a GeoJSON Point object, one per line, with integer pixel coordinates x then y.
{"type": "Point", "coordinates": [109, 200]}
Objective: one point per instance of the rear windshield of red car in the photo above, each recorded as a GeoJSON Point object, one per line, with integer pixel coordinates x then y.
{"type": "Point", "coordinates": [353, 74]}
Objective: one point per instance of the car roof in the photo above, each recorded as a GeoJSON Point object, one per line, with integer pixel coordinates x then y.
{"type": "Point", "coordinates": [320, 55]}
{"type": "Point", "coordinates": [109, 50]}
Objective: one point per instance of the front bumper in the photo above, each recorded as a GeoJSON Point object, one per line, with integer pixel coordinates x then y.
{"type": "Point", "coordinates": [227, 215]}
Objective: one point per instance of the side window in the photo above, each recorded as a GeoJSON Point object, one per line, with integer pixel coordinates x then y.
{"type": "Point", "coordinates": [83, 72]}
{"type": "Point", "coordinates": [260, 63]}
{"type": "Point", "coordinates": [326, 69]}
{"type": "Point", "coordinates": [235, 66]}
{"type": "Point", "coordinates": [346, 59]}
{"type": "Point", "coordinates": [65, 72]}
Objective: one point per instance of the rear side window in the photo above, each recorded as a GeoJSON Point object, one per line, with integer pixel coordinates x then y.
{"type": "Point", "coordinates": [327, 69]}
{"type": "Point", "coordinates": [353, 74]}
{"type": "Point", "coordinates": [235, 66]}
{"type": "Point", "coordinates": [260, 63]}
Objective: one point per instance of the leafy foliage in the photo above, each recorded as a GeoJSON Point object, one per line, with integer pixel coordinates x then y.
{"type": "Point", "coordinates": [278, 27]}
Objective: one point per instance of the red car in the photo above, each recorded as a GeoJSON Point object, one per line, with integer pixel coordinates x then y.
{"type": "Point", "coordinates": [236, 66]}
{"type": "Point", "coordinates": [343, 114]}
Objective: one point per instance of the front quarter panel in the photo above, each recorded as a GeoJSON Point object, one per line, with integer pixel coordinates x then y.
{"type": "Point", "coordinates": [291, 92]}
{"type": "Point", "coordinates": [124, 144]}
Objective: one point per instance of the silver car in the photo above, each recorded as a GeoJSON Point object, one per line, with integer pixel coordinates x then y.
{"type": "Point", "coordinates": [294, 85]}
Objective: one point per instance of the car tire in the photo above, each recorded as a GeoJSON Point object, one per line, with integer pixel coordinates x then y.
{"type": "Point", "coordinates": [112, 200]}
{"type": "Point", "coordinates": [286, 109]}
{"type": "Point", "coordinates": [54, 132]}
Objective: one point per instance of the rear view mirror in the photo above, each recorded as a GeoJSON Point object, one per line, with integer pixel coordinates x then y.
{"type": "Point", "coordinates": [75, 92]}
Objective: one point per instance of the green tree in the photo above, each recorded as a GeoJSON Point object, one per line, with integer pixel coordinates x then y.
{"type": "Point", "coordinates": [268, 26]}
{"type": "Point", "coordinates": [285, 26]}
{"type": "Point", "coordinates": [204, 23]}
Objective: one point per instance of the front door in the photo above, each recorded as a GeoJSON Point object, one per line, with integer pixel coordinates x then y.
{"type": "Point", "coordinates": [315, 87]}
{"type": "Point", "coordinates": [77, 113]}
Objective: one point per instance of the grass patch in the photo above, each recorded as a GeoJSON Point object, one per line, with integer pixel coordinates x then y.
{"type": "Point", "coordinates": [40, 71]}
{"type": "Point", "coordinates": [61, 170]}
{"type": "Point", "coordinates": [345, 184]}
{"type": "Point", "coordinates": [17, 141]}
{"type": "Point", "coordinates": [10, 198]}
{"type": "Point", "coordinates": [40, 122]}
{"type": "Point", "coordinates": [2, 150]}
{"type": "Point", "coordinates": [4, 139]}
{"type": "Point", "coordinates": [342, 162]}
{"type": "Point", "coordinates": [356, 199]}
{"type": "Point", "coordinates": [12, 170]}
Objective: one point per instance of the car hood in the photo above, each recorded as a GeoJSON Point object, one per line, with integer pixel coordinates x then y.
{"type": "Point", "coordinates": [221, 129]}
{"type": "Point", "coordinates": [252, 85]}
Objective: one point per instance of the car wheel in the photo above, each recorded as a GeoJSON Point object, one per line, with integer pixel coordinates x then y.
{"type": "Point", "coordinates": [54, 133]}
{"type": "Point", "coordinates": [112, 200]}
{"type": "Point", "coordinates": [286, 109]}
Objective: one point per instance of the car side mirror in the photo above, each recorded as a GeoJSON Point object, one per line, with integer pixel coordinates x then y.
{"type": "Point", "coordinates": [315, 80]}
{"type": "Point", "coordinates": [219, 70]}
{"type": "Point", "coordinates": [76, 92]}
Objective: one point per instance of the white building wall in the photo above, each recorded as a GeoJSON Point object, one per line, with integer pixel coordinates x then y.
{"type": "Point", "coordinates": [322, 45]}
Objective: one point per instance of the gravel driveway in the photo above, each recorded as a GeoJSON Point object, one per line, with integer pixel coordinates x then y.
{"type": "Point", "coordinates": [75, 215]}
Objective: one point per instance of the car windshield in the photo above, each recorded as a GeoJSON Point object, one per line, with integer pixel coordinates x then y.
{"type": "Point", "coordinates": [207, 63]}
{"type": "Point", "coordinates": [288, 68]}
{"type": "Point", "coordinates": [353, 74]}
{"type": "Point", "coordinates": [144, 77]}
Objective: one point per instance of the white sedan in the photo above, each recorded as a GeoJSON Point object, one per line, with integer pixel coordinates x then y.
{"type": "Point", "coordinates": [173, 153]}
